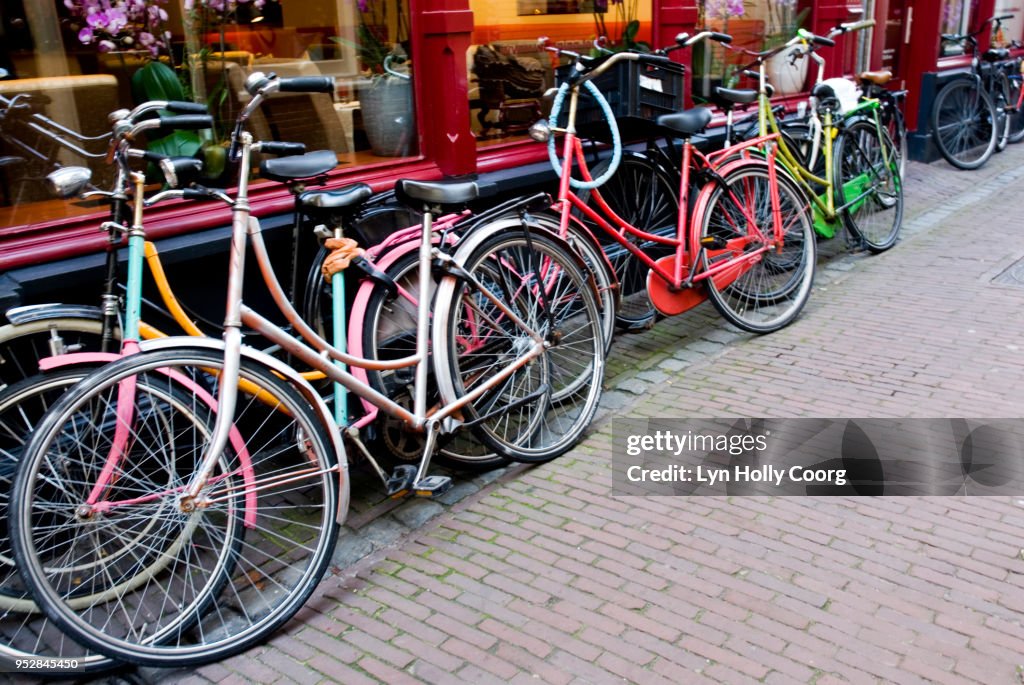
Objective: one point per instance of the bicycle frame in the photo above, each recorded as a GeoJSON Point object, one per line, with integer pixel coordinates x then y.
{"type": "Point", "coordinates": [685, 271]}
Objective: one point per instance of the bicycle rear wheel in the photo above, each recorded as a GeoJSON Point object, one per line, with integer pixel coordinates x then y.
{"type": "Point", "coordinates": [869, 183]}
{"type": "Point", "coordinates": [1016, 114]}
{"type": "Point", "coordinates": [540, 409]}
{"type": "Point", "coordinates": [767, 290]}
{"type": "Point", "coordinates": [964, 124]}
{"type": "Point", "coordinates": [256, 543]}
{"type": "Point", "coordinates": [646, 196]}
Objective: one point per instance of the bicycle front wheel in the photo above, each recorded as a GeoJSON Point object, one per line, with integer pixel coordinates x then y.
{"type": "Point", "coordinates": [97, 501]}
{"type": "Point", "coordinates": [529, 409]}
{"type": "Point", "coordinates": [25, 632]}
{"type": "Point", "coordinates": [763, 279]}
{"type": "Point", "coordinates": [964, 124]}
{"type": "Point", "coordinates": [870, 187]}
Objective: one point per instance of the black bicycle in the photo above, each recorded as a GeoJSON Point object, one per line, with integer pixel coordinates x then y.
{"type": "Point", "coordinates": [970, 116]}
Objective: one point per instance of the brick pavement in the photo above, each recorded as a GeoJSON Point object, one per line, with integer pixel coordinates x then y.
{"type": "Point", "coordinates": [539, 575]}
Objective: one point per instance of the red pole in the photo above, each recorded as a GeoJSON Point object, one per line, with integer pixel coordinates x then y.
{"type": "Point", "coordinates": [443, 29]}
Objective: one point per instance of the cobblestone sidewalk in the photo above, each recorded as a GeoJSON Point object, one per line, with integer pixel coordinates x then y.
{"type": "Point", "coordinates": [540, 575]}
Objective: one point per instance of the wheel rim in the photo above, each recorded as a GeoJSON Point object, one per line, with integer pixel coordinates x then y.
{"type": "Point", "coordinates": [771, 290]}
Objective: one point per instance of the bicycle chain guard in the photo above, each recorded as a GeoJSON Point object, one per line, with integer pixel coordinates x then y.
{"type": "Point", "coordinates": [672, 302]}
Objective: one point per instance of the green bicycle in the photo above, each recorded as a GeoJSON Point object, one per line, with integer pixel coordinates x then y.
{"type": "Point", "coordinates": [841, 156]}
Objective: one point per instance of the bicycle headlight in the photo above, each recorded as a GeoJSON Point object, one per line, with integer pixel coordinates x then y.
{"type": "Point", "coordinates": [540, 131]}
{"type": "Point", "coordinates": [68, 181]}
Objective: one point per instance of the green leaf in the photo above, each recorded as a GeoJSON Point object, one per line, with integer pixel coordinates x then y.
{"type": "Point", "coordinates": [156, 81]}
{"type": "Point", "coordinates": [176, 144]}
{"type": "Point", "coordinates": [632, 28]}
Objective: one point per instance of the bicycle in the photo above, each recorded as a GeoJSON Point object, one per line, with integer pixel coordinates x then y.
{"type": "Point", "coordinates": [518, 356]}
{"type": "Point", "coordinates": [737, 248]}
{"type": "Point", "coordinates": [970, 115]}
{"type": "Point", "coordinates": [861, 186]}
{"type": "Point", "coordinates": [31, 144]}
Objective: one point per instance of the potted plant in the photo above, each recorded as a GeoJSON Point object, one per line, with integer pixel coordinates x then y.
{"type": "Point", "coordinates": [386, 100]}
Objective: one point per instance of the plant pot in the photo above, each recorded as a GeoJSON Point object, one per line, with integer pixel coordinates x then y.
{"type": "Point", "coordinates": [787, 78]}
{"type": "Point", "coordinates": [388, 118]}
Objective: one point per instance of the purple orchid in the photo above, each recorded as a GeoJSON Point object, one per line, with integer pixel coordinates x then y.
{"type": "Point", "coordinates": [120, 24]}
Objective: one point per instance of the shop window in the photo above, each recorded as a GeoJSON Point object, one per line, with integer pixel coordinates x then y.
{"type": "Point", "coordinates": [956, 17]}
{"type": "Point", "coordinates": [74, 61]}
{"type": "Point", "coordinates": [508, 74]}
{"type": "Point", "coordinates": [755, 25]}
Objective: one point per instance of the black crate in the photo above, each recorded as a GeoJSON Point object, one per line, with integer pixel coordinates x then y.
{"type": "Point", "coordinates": [638, 93]}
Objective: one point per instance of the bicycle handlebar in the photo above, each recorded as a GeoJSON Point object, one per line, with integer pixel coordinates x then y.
{"type": "Point", "coordinates": [851, 26]}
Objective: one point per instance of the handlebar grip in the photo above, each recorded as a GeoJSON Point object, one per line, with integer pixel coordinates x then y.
{"type": "Point", "coordinates": [187, 122]}
{"type": "Point", "coordinates": [720, 37]}
{"type": "Point", "coordinates": [306, 84]}
{"type": "Point", "coordinates": [183, 107]}
{"type": "Point", "coordinates": [650, 58]}
{"type": "Point", "coordinates": [283, 149]}
{"type": "Point", "coordinates": [822, 40]}
{"type": "Point", "coordinates": [192, 194]}
{"type": "Point", "coordinates": [858, 25]}
{"type": "Point", "coordinates": [1002, 18]}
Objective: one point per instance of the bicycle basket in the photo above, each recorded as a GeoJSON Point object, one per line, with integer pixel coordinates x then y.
{"type": "Point", "coordinates": [638, 94]}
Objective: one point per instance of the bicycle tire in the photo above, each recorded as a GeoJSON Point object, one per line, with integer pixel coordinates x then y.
{"type": "Point", "coordinates": [645, 195]}
{"type": "Point", "coordinates": [22, 345]}
{"type": "Point", "coordinates": [1016, 114]}
{"type": "Point", "coordinates": [269, 581]}
{"type": "Point", "coordinates": [860, 168]}
{"type": "Point", "coordinates": [1001, 100]}
{"type": "Point", "coordinates": [542, 408]}
{"type": "Point", "coordinates": [963, 119]}
{"type": "Point", "coordinates": [772, 290]}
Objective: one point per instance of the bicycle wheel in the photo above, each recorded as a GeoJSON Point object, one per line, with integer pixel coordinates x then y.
{"type": "Point", "coordinates": [767, 290]}
{"type": "Point", "coordinates": [1001, 99]}
{"type": "Point", "coordinates": [869, 184]}
{"type": "Point", "coordinates": [646, 196]}
{"type": "Point", "coordinates": [26, 633]}
{"type": "Point", "coordinates": [539, 410]}
{"type": "Point", "coordinates": [22, 345]}
{"type": "Point", "coordinates": [1016, 114]}
{"type": "Point", "coordinates": [963, 122]}
{"type": "Point", "coordinates": [257, 542]}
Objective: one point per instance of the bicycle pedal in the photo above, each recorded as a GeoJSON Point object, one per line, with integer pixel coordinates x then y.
{"type": "Point", "coordinates": [432, 486]}
{"type": "Point", "coordinates": [401, 481]}
{"type": "Point", "coordinates": [714, 242]}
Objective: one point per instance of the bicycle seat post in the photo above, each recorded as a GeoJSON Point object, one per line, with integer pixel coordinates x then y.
{"type": "Point", "coordinates": [423, 318]}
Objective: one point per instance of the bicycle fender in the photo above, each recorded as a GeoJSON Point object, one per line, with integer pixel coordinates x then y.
{"type": "Point", "coordinates": [54, 310]}
{"type": "Point", "coordinates": [293, 377]}
{"type": "Point", "coordinates": [76, 358]}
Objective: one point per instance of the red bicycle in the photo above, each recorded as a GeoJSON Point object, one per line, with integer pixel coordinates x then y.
{"type": "Point", "coordinates": [743, 235]}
